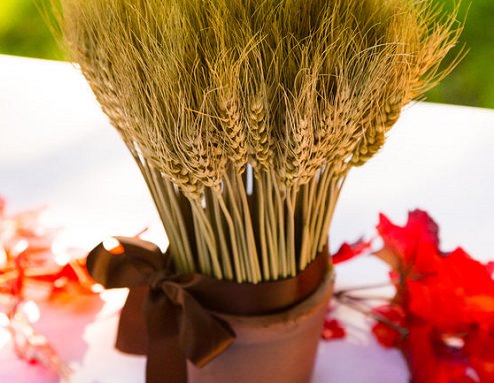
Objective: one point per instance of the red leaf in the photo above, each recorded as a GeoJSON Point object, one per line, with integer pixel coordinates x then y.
{"type": "Point", "coordinates": [349, 251]}
{"type": "Point", "coordinates": [390, 319]}
{"type": "Point", "coordinates": [388, 337]}
{"type": "Point", "coordinates": [430, 360]}
{"type": "Point", "coordinates": [490, 268]}
{"type": "Point", "coordinates": [333, 330]}
{"type": "Point", "coordinates": [413, 247]}
{"type": "Point", "coordinates": [447, 303]}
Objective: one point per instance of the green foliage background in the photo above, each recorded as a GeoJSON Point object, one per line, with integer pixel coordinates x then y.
{"type": "Point", "coordinates": [23, 32]}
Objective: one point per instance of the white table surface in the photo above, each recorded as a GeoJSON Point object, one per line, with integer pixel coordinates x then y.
{"type": "Point", "coordinates": [58, 149]}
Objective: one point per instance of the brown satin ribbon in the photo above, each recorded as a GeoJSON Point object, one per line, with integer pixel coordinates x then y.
{"type": "Point", "coordinates": [177, 323]}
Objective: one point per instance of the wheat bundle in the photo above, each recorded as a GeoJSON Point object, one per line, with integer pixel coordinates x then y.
{"type": "Point", "coordinates": [245, 116]}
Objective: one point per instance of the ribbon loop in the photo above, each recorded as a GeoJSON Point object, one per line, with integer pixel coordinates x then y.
{"type": "Point", "coordinates": [128, 263]}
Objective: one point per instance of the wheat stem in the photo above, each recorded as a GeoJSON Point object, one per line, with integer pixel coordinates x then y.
{"type": "Point", "coordinates": [217, 221]}
{"type": "Point", "coordinates": [234, 240]}
{"type": "Point", "coordinates": [251, 242]}
{"type": "Point", "coordinates": [272, 226]}
{"type": "Point", "coordinates": [202, 250]}
{"type": "Point", "coordinates": [307, 212]}
{"type": "Point", "coordinates": [207, 234]}
{"type": "Point", "coordinates": [178, 218]}
{"type": "Point", "coordinates": [262, 218]}
{"type": "Point", "coordinates": [330, 212]}
{"type": "Point", "coordinates": [323, 190]}
{"type": "Point", "coordinates": [162, 206]}
{"type": "Point", "coordinates": [279, 207]}
{"type": "Point", "coordinates": [239, 229]}
{"type": "Point", "coordinates": [290, 234]}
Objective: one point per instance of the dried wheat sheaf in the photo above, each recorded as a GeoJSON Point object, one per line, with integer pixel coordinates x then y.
{"type": "Point", "coordinates": [245, 116]}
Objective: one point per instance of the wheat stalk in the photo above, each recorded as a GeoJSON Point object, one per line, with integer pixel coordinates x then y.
{"type": "Point", "coordinates": [245, 116]}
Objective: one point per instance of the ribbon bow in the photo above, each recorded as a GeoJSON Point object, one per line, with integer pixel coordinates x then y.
{"type": "Point", "coordinates": [178, 323]}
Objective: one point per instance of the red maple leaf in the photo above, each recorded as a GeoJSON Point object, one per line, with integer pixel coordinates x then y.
{"type": "Point", "coordinates": [411, 250]}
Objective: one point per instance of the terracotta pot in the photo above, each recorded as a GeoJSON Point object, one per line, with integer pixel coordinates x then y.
{"type": "Point", "coordinates": [271, 348]}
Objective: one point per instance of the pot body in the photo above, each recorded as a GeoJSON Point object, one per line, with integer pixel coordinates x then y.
{"type": "Point", "coordinates": [271, 348]}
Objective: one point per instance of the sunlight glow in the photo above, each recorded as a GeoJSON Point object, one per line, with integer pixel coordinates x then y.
{"type": "Point", "coordinates": [113, 246]}
{"type": "Point", "coordinates": [31, 311]}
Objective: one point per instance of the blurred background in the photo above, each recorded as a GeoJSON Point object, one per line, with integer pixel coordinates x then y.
{"type": "Point", "coordinates": [23, 32]}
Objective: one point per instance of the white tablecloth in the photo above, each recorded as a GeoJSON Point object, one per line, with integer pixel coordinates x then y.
{"type": "Point", "coordinates": [57, 149]}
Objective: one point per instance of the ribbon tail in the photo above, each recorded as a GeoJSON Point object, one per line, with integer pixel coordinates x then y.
{"type": "Point", "coordinates": [166, 362]}
{"type": "Point", "coordinates": [132, 337]}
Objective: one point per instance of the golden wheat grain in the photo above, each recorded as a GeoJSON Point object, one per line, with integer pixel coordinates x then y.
{"type": "Point", "coordinates": [260, 140]}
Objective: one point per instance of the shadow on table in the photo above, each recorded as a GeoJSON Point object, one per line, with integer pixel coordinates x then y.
{"type": "Point", "coordinates": [367, 362]}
